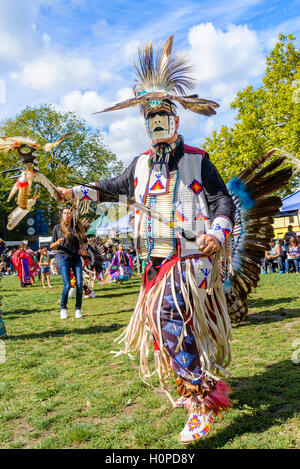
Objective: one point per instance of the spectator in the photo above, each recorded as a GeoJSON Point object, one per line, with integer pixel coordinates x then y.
{"type": "Point", "coordinates": [44, 264]}
{"type": "Point", "coordinates": [271, 256]}
{"type": "Point", "coordinates": [38, 258]}
{"type": "Point", "coordinates": [290, 233]}
{"type": "Point", "coordinates": [293, 256]}
{"type": "Point", "coordinates": [11, 265]}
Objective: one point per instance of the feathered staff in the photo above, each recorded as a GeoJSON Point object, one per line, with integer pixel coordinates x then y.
{"type": "Point", "coordinates": [29, 174]}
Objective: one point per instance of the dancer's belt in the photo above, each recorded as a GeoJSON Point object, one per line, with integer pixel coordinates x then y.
{"type": "Point", "coordinates": [156, 261]}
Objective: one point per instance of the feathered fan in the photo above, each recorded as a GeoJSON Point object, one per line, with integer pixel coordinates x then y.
{"type": "Point", "coordinates": [164, 77]}
{"type": "Point", "coordinates": [253, 230]}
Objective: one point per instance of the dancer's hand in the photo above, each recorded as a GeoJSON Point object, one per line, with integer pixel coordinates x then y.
{"type": "Point", "coordinates": [208, 244]}
{"type": "Point", "coordinates": [65, 193]}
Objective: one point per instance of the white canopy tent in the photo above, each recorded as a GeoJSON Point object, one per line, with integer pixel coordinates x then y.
{"type": "Point", "coordinates": [116, 227]}
{"type": "Point", "coordinates": [14, 243]}
{"type": "Point", "coordinates": [45, 240]}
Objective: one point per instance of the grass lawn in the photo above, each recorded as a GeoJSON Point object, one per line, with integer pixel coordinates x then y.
{"type": "Point", "coordinates": [61, 388]}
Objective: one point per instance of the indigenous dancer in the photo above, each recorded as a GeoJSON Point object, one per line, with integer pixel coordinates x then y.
{"type": "Point", "coordinates": [24, 266]}
{"type": "Point", "coordinates": [182, 305]}
{"type": "Point", "coordinates": [121, 267]}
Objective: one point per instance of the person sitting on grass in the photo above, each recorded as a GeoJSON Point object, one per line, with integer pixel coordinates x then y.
{"type": "Point", "coordinates": [293, 256]}
{"type": "Point", "coordinates": [44, 264]}
{"type": "Point", "coordinates": [270, 256]}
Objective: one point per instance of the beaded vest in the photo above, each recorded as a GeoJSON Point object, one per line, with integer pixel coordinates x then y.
{"type": "Point", "coordinates": [178, 196]}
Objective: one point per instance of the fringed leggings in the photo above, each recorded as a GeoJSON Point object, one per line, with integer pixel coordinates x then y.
{"type": "Point", "coordinates": [185, 362]}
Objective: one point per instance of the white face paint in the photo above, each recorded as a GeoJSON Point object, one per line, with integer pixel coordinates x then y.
{"type": "Point", "coordinates": [160, 126]}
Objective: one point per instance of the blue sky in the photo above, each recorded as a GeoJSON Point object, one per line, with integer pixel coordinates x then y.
{"type": "Point", "coordinates": [77, 55]}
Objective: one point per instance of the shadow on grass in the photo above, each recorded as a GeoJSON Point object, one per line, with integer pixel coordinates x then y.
{"type": "Point", "coordinates": [64, 332]}
{"type": "Point", "coordinates": [266, 317]}
{"type": "Point", "coordinates": [118, 286]}
{"type": "Point", "coordinates": [263, 302]}
{"type": "Point", "coordinates": [17, 313]}
{"type": "Point", "coordinates": [118, 294]}
{"type": "Point", "coordinates": [272, 397]}
{"type": "Point", "coordinates": [120, 311]}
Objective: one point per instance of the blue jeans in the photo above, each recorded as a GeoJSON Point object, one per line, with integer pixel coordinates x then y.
{"type": "Point", "coordinates": [65, 264]}
{"type": "Point", "coordinates": [296, 264]}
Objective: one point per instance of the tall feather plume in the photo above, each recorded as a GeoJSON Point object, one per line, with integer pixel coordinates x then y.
{"type": "Point", "coordinates": [164, 76]}
{"type": "Point", "coordinates": [165, 72]}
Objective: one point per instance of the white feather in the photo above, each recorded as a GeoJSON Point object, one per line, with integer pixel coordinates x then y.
{"type": "Point", "coordinates": [18, 214]}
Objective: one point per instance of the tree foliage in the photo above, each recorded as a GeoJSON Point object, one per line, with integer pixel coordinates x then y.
{"type": "Point", "coordinates": [266, 117]}
{"type": "Point", "coordinates": [82, 155]}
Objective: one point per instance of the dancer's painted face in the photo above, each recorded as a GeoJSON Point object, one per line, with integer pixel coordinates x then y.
{"type": "Point", "coordinates": [160, 125]}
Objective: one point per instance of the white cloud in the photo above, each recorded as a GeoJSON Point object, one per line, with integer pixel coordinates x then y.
{"type": "Point", "coordinates": [269, 36]}
{"type": "Point", "coordinates": [127, 137]}
{"type": "Point", "coordinates": [46, 40]}
{"type": "Point", "coordinates": [131, 48]}
{"type": "Point", "coordinates": [59, 73]}
{"type": "Point", "coordinates": [123, 131]}
{"type": "Point", "coordinates": [84, 104]}
{"type": "Point", "coordinates": [19, 38]}
{"type": "Point", "coordinates": [225, 61]}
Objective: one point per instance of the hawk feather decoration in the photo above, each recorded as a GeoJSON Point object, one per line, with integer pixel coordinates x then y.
{"type": "Point", "coordinates": [255, 211]}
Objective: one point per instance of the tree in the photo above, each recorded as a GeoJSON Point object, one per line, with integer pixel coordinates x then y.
{"type": "Point", "coordinates": [266, 117]}
{"type": "Point", "coordinates": [82, 155]}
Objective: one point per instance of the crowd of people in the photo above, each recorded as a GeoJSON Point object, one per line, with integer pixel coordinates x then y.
{"type": "Point", "coordinates": [283, 255]}
{"type": "Point", "coordinates": [119, 263]}
{"type": "Point", "coordinates": [23, 260]}
{"type": "Point", "coordinates": [69, 258]}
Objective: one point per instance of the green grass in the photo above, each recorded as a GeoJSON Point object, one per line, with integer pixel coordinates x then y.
{"type": "Point", "coordinates": [61, 388]}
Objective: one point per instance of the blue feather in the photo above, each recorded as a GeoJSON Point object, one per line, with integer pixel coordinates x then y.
{"type": "Point", "coordinates": [236, 187]}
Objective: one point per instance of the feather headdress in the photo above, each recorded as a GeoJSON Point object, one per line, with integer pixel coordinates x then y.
{"type": "Point", "coordinates": [161, 79]}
